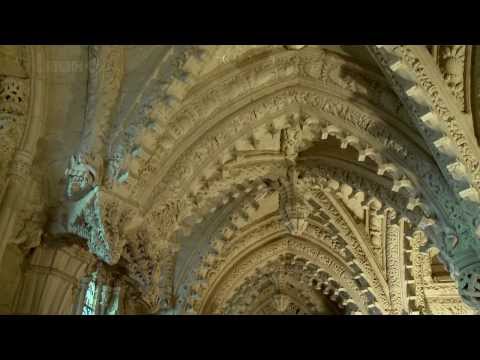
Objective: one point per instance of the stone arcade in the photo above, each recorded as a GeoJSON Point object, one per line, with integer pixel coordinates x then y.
{"type": "Point", "coordinates": [240, 179]}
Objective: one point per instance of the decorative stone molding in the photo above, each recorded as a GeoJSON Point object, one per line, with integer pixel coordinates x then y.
{"type": "Point", "coordinates": [363, 256]}
{"type": "Point", "coordinates": [375, 230]}
{"type": "Point", "coordinates": [240, 269]}
{"type": "Point", "coordinates": [105, 76]}
{"type": "Point", "coordinates": [325, 177]}
{"type": "Point", "coordinates": [162, 91]}
{"type": "Point", "coordinates": [395, 263]}
{"type": "Point", "coordinates": [443, 127]}
{"type": "Point", "coordinates": [439, 118]}
{"type": "Point", "coordinates": [274, 282]}
{"type": "Point", "coordinates": [231, 243]}
{"type": "Point", "coordinates": [181, 171]}
{"type": "Point", "coordinates": [185, 120]}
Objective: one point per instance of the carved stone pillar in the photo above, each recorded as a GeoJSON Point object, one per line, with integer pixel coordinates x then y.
{"type": "Point", "coordinates": [79, 293]}
{"type": "Point", "coordinates": [108, 286]}
{"type": "Point", "coordinates": [22, 95]}
{"type": "Point", "coordinates": [15, 155]}
{"type": "Point", "coordinates": [418, 269]}
{"type": "Point", "coordinates": [376, 231]}
{"type": "Point", "coordinates": [13, 108]}
{"type": "Point", "coordinates": [395, 263]}
{"type": "Point", "coordinates": [13, 196]}
{"type": "Point", "coordinates": [52, 273]}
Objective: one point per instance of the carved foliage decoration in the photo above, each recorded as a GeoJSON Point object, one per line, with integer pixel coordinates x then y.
{"type": "Point", "coordinates": [452, 65]}
{"type": "Point", "coordinates": [146, 262]}
{"type": "Point", "coordinates": [100, 218]}
{"type": "Point", "coordinates": [29, 230]}
{"type": "Point", "coordinates": [13, 112]}
{"type": "Point", "coordinates": [469, 285]}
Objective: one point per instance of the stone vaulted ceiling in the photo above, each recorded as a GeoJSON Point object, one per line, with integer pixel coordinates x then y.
{"type": "Point", "coordinates": [244, 179]}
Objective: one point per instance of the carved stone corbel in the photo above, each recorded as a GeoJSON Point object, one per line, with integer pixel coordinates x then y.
{"type": "Point", "coordinates": [94, 213]}
{"type": "Point", "coordinates": [29, 229]}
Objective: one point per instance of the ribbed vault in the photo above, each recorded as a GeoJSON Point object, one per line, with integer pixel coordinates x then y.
{"type": "Point", "coordinates": [231, 135]}
{"type": "Point", "coordinates": [248, 179]}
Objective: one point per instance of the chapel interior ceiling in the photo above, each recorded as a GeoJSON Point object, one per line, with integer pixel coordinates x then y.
{"type": "Point", "coordinates": [294, 179]}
